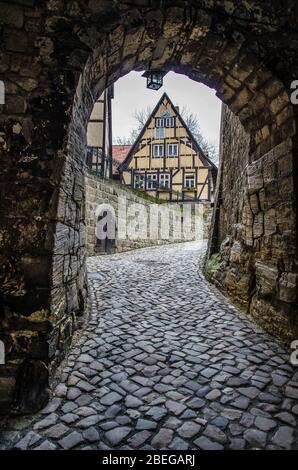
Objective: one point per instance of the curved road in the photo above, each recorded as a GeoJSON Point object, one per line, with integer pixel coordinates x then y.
{"type": "Point", "coordinates": [165, 362]}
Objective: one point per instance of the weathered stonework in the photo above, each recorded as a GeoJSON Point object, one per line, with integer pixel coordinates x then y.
{"type": "Point", "coordinates": [100, 191]}
{"type": "Point", "coordinates": [56, 59]}
{"type": "Point", "coordinates": [255, 230]}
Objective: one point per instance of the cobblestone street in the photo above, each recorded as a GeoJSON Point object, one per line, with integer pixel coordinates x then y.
{"type": "Point", "coordinates": [165, 362]}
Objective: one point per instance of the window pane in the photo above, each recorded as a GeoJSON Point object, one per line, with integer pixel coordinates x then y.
{"type": "Point", "coordinates": [189, 181]}
{"type": "Point", "coordinates": [151, 181]}
{"type": "Point", "coordinates": [158, 150]}
{"type": "Point", "coordinates": [169, 122]}
{"type": "Point", "coordinates": [159, 122]}
{"type": "Point", "coordinates": [172, 150]}
{"type": "Point", "coordinates": [159, 133]}
{"type": "Point", "coordinates": [139, 181]}
{"type": "Point", "coordinates": [164, 180]}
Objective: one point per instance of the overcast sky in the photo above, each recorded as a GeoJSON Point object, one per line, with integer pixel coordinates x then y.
{"type": "Point", "coordinates": [131, 94]}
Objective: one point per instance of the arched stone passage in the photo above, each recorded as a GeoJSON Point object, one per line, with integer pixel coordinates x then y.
{"type": "Point", "coordinates": [58, 58]}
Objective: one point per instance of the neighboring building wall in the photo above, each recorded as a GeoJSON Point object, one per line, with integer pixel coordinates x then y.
{"type": "Point", "coordinates": [100, 191]}
{"type": "Point", "coordinates": [254, 230]}
{"type": "Point", "coordinates": [99, 135]}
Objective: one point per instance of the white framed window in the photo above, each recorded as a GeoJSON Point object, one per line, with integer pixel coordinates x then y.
{"type": "Point", "coordinates": [189, 181]}
{"type": "Point", "coordinates": [139, 181]}
{"type": "Point", "coordinates": [151, 180]}
{"type": "Point", "coordinates": [164, 180]}
{"type": "Point", "coordinates": [159, 122]}
{"type": "Point", "coordinates": [173, 150]}
{"type": "Point", "coordinates": [159, 132]}
{"type": "Point", "coordinates": [170, 122]}
{"type": "Point", "coordinates": [157, 150]}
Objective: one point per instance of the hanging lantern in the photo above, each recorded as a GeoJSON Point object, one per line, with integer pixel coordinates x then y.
{"type": "Point", "coordinates": [154, 78]}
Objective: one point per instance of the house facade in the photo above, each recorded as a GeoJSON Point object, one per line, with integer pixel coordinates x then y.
{"type": "Point", "coordinates": [166, 161]}
{"type": "Point", "coordinates": [99, 135]}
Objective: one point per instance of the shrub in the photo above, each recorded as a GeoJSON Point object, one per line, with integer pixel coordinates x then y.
{"type": "Point", "coordinates": [211, 265]}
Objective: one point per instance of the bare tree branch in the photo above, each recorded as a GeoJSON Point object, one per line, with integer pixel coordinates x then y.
{"type": "Point", "coordinates": [191, 119]}
{"type": "Point", "coordinates": [142, 116]}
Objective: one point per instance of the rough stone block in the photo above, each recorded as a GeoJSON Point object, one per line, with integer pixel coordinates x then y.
{"type": "Point", "coordinates": [7, 387]}
{"type": "Point", "coordinates": [270, 222]}
{"type": "Point", "coordinates": [258, 225]}
{"type": "Point", "coordinates": [12, 15]}
{"type": "Point", "coordinates": [16, 41]}
{"type": "Point", "coordinates": [254, 203]}
{"type": "Point", "coordinates": [266, 277]}
{"type": "Point", "coordinates": [288, 287]}
{"type": "Point", "coordinates": [255, 180]}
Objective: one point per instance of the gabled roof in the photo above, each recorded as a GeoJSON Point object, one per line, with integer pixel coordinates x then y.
{"type": "Point", "coordinates": [199, 150]}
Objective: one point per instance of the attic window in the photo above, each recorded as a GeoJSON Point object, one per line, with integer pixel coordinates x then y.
{"type": "Point", "coordinates": [170, 122]}
{"type": "Point", "coordinates": [160, 122]}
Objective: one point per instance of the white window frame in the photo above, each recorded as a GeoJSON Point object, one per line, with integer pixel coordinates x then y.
{"type": "Point", "coordinates": [187, 179]}
{"type": "Point", "coordinates": [159, 122]}
{"type": "Point", "coordinates": [151, 179]}
{"type": "Point", "coordinates": [139, 181]}
{"type": "Point", "coordinates": [165, 180]}
{"type": "Point", "coordinates": [160, 152]}
{"type": "Point", "coordinates": [170, 150]}
{"type": "Point", "coordinates": [169, 122]}
{"type": "Point", "coordinates": [159, 133]}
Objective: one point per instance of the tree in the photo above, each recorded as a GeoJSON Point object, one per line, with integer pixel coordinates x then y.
{"type": "Point", "coordinates": [191, 120]}
{"type": "Point", "coordinates": [141, 116]}
{"type": "Point", "coordinates": [118, 140]}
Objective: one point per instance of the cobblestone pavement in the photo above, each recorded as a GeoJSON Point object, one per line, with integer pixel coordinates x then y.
{"type": "Point", "coordinates": [165, 362]}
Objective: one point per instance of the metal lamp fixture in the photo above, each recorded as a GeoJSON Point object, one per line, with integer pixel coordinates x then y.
{"type": "Point", "coordinates": [154, 78]}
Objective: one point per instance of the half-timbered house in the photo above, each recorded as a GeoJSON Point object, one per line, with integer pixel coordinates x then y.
{"type": "Point", "coordinates": [166, 161]}
{"type": "Point", "coordinates": [99, 135]}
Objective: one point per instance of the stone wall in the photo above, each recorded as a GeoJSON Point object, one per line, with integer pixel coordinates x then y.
{"type": "Point", "coordinates": [102, 191]}
{"type": "Point", "coordinates": [254, 230]}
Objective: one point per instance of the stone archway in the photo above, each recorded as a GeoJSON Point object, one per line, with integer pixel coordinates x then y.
{"type": "Point", "coordinates": [70, 53]}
